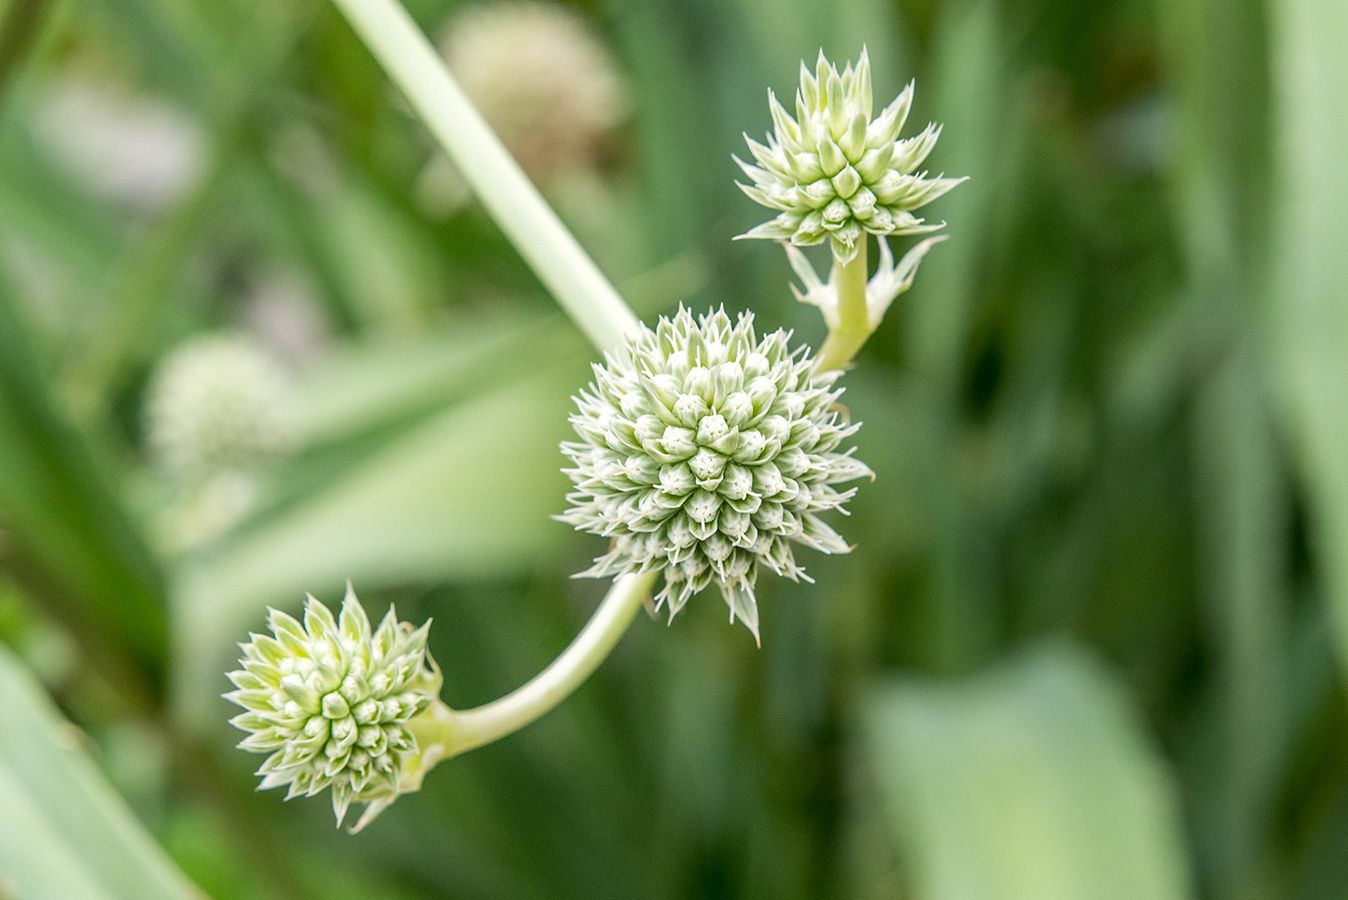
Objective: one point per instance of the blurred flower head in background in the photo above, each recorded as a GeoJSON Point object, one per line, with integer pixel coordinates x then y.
{"type": "Point", "coordinates": [835, 173]}
{"type": "Point", "coordinates": [218, 403]}
{"type": "Point", "coordinates": [542, 79]}
{"type": "Point", "coordinates": [129, 148]}
{"type": "Point", "coordinates": [706, 452]}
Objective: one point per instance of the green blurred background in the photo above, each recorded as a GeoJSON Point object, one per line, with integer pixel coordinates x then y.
{"type": "Point", "coordinates": [1091, 642]}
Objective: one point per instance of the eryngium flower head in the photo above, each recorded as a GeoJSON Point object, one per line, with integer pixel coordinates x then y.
{"type": "Point", "coordinates": [835, 173]}
{"type": "Point", "coordinates": [706, 452]}
{"type": "Point", "coordinates": [218, 403]}
{"type": "Point", "coordinates": [329, 701]}
{"type": "Point", "coordinates": [541, 78]}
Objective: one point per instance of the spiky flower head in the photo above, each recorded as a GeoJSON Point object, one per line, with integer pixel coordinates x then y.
{"type": "Point", "coordinates": [218, 404]}
{"type": "Point", "coordinates": [329, 701]}
{"type": "Point", "coordinates": [707, 452]}
{"type": "Point", "coordinates": [541, 78]}
{"type": "Point", "coordinates": [835, 173]}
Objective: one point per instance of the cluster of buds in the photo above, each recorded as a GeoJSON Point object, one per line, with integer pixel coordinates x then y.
{"type": "Point", "coordinates": [834, 173]}
{"type": "Point", "coordinates": [706, 453]}
{"type": "Point", "coordinates": [331, 701]}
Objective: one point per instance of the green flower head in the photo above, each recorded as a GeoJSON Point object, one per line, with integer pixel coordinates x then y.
{"type": "Point", "coordinates": [707, 452]}
{"type": "Point", "coordinates": [835, 173]}
{"type": "Point", "coordinates": [329, 701]}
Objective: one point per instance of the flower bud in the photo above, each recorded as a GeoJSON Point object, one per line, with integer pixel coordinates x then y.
{"type": "Point", "coordinates": [331, 702]}
{"type": "Point", "coordinates": [835, 173]}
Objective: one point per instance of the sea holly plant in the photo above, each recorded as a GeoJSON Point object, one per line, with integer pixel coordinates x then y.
{"type": "Point", "coordinates": [707, 450]}
{"type": "Point", "coordinates": [835, 173]}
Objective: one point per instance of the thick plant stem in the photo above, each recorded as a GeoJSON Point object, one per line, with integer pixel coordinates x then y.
{"type": "Point", "coordinates": [544, 242]}
{"type": "Point", "coordinates": [854, 324]}
{"type": "Point", "coordinates": [459, 731]}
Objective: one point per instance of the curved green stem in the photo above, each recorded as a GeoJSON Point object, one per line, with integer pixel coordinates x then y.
{"type": "Point", "coordinates": [459, 731]}
{"type": "Point", "coordinates": [541, 238]}
{"type": "Point", "coordinates": [577, 284]}
{"type": "Point", "coordinates": [854, 324]}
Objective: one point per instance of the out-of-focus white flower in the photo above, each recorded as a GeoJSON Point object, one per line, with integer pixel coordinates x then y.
{"type": "Point", "coordinates": [541, 78]}
{"type": "Point", "coordinates": [706, 452]}
{"type": "Point", "coordinates": [219, 403]}
{"type": "Point", "coordinates": [132, 150]}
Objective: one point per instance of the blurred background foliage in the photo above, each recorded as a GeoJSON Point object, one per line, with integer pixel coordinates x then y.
{"type": "Point", "coordinates": [1090, 645]}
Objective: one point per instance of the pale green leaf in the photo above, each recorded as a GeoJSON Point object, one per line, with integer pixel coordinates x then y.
{"type": "Point", "coordinates": [1310, 268]}
{"type": "Point", "coordinates": [64, 833]}
{"type": "Point", "coordinates": [1034, 782]}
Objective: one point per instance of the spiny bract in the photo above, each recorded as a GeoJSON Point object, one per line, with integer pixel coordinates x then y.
{"type": "Point", "coordinates": [706, 452]}
{"type": "Point", "coordinates": [330, 701]}
{"type": "Point", "coordinates": [833, 172]}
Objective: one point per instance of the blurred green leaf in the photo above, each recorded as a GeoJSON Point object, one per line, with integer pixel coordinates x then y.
{"type": "Point", "coordinates": [65, 833]}
{"type": "Point", "coordinates": [42, 205]}
{"type": "Point", "coordinates": [138, 293]}
{"type": "Point", "coordinates": [1310, 277]}
{"type": "Point", "coordinates": [466, 495]}
{"type": "Point", "coordinates": [379, 382]}
{"type": "Point", "coordinates": [69, 539]}
{"type": "Point", "coordinates": [971, 92]}
{"type": "Point", "coordinates": [390, 269]}
{"type": "Point", "coordinates": [1034, 782]}
{"type": "Point", "coordinates": [1217, 53]}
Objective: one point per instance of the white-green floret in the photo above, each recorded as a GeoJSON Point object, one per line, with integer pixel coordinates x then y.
{"type": "Point", "coordinates": [707, 452]}
{"type": "Point", "coordinates": [835, 173]}
{"type": "Point", "coordinates": [329, 701]}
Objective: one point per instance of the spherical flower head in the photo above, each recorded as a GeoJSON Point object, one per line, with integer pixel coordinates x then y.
{"type": "Point", "coordinates": [835, 173]}
{"type": "Point", "coordinates": [218, 403]}
{"type": "Point", "coordinates": [329, 701]}
{"type": "Point", "coordinates": [541, 78]}
{"type": "Point", "coordinates": [706, 453]}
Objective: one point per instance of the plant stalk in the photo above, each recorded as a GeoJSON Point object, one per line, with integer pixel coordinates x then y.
{"type": "Point", "coordinates": [530, 224]}
{"type": "Point", "coordinates": [459, 731]}
{"type": "Point", "coordinates": [854, 324]}
{"type": "Point", "coordinates": [576, 283]}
